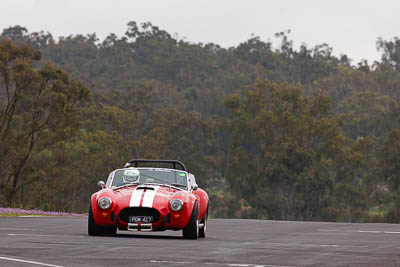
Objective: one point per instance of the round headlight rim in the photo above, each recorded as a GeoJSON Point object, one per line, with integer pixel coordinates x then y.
{"type": "Point", "coordinates": [104, 208]}
{"type": "Point", "coordinates": [174, 200]}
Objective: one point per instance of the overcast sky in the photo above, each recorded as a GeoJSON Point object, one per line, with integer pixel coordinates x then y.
{"type": "Point", "coordinates": [350, 26]}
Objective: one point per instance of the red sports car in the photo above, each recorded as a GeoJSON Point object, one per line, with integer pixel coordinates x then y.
{"type": "Point", "coordinates": [151, 198]}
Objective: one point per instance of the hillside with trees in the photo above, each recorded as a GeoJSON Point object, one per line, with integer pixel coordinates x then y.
{"type": "Point", "coordinates": [270, 131]}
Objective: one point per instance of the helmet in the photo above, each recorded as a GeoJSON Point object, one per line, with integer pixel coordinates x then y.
{"type": "Point", "coordinates": [131, 176]}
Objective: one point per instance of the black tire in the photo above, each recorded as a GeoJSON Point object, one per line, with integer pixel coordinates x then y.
{"type": "Point", "coordinates": [93, 228]}
{"type": "Point", "coordinates": [203, 231]}
{"type": "Point", "coordinates": [97, 230]}
{"type": "Point", "coordinates": [191, 231]}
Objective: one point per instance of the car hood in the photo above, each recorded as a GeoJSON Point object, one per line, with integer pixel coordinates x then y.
{"type": "Point", "coordinates": [150, 196]}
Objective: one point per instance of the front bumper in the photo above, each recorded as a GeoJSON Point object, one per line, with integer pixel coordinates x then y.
{"type": "Point", "coordinates": [167, 219]}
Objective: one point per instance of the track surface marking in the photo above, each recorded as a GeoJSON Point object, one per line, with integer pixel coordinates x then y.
{"type": "Point", "coordinates": [63, 241]}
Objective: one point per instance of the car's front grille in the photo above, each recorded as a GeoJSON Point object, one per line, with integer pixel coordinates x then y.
{"type": "Point", "coordinates": [138, 211]}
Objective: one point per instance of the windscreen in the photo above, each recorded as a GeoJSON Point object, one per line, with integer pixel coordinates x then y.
{"type": "Point", "coordinates": [155, 176]}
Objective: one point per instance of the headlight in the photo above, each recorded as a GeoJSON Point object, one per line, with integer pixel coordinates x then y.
{"type": "Point", "coordinates": [175, 204]}
{"type": "Point", "coordinates": [104, 203]}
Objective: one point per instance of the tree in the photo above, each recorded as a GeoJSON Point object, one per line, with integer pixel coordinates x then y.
{"type": "Point", "coordinates": [390, 52]}
{"type": "Point", "coordinates": [283, 151]}
{"type": "Point", "coordinates": [389, 168]}
{"type": "Point", "coordinates": [184, 136]}
{"type": "Point", "coordinates": [38, 109]}
{"type": "Point", "coordinates": [21, 35]}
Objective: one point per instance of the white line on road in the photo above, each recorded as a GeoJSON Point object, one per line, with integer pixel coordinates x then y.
{"type": "Point", "coordinates": [19, 229]}
{"type": "Point", "coordinates": [42, 235]}
{"type": "Point", "coordinates": [360, 231]}
{"type": "Point", "coordinates": [174, 262]}
{"type": "Point", "coordinates": [292, 244]}
{"type": "Point", "coordinates": [220, 264]}
{"type": "Point", "coordinates": [30, 262]}
{"type": "Point", "coordinates": [302, 245]}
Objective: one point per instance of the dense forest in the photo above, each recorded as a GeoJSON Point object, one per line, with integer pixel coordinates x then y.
{"type": "Point", "coordinates": [270, 131]}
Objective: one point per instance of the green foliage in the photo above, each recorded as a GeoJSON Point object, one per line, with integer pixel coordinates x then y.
{"type": "Point", "coordinates": [389, 169]}
{"type": "Point", "coordinates": [391, 52]}
{"type": "Point", "coordinates": [271, 131]}
{"type": "Point", "coordinates": [40, 108]}
{"type": "Point", "coordinates": [282, 145]}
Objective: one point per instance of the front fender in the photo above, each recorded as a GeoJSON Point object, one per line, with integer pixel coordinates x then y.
{"type": "Point", "coordinates": [202, 200]}
{"type": "Point", "coordinates": [102, 217]}
{"type": "Point", "coordinates": [179, 219]}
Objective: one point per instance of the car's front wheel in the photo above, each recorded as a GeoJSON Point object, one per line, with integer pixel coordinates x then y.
{"type": "Point", "coordinates": [97, 230]}
{"type": "Point", "coordinates": [191, 231]}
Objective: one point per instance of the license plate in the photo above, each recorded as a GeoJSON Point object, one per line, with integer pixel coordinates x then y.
{"type": "Point", "coordinates": [140, 219]}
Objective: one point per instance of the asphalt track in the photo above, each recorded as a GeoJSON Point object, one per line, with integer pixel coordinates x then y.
{"type": "Point", "coordinates": [63, 241]}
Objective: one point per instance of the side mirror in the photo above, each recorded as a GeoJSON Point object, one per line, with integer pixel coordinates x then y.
{"type": "Point", "coordinates": [195, 187]}
{"type": "Point", "coordinates": [101, 184]}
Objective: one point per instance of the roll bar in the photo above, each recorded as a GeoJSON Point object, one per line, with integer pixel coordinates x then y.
{"type": "Point", "coordinates": [175, 163]}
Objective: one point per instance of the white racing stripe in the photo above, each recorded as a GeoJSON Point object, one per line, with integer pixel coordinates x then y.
{"type": "Point", "coordinates": [30, 262]}
{"type": "Point", "coordinates": [149, 197]}
{"type": "Point", "coordinates": [135, 198]}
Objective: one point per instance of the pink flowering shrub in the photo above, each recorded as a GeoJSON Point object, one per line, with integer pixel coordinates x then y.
{"type": "Point", "coordinates": [38, 212]}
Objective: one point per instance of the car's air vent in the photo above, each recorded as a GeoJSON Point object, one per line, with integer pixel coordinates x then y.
{"type": "Point", "coordinates": [145, 187]}
{"type": "Point", "coordinates": [138, 211]}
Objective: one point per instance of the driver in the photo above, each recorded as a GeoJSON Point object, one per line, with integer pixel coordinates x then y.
{"type": "Point", "coordinates": [131, 176]}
